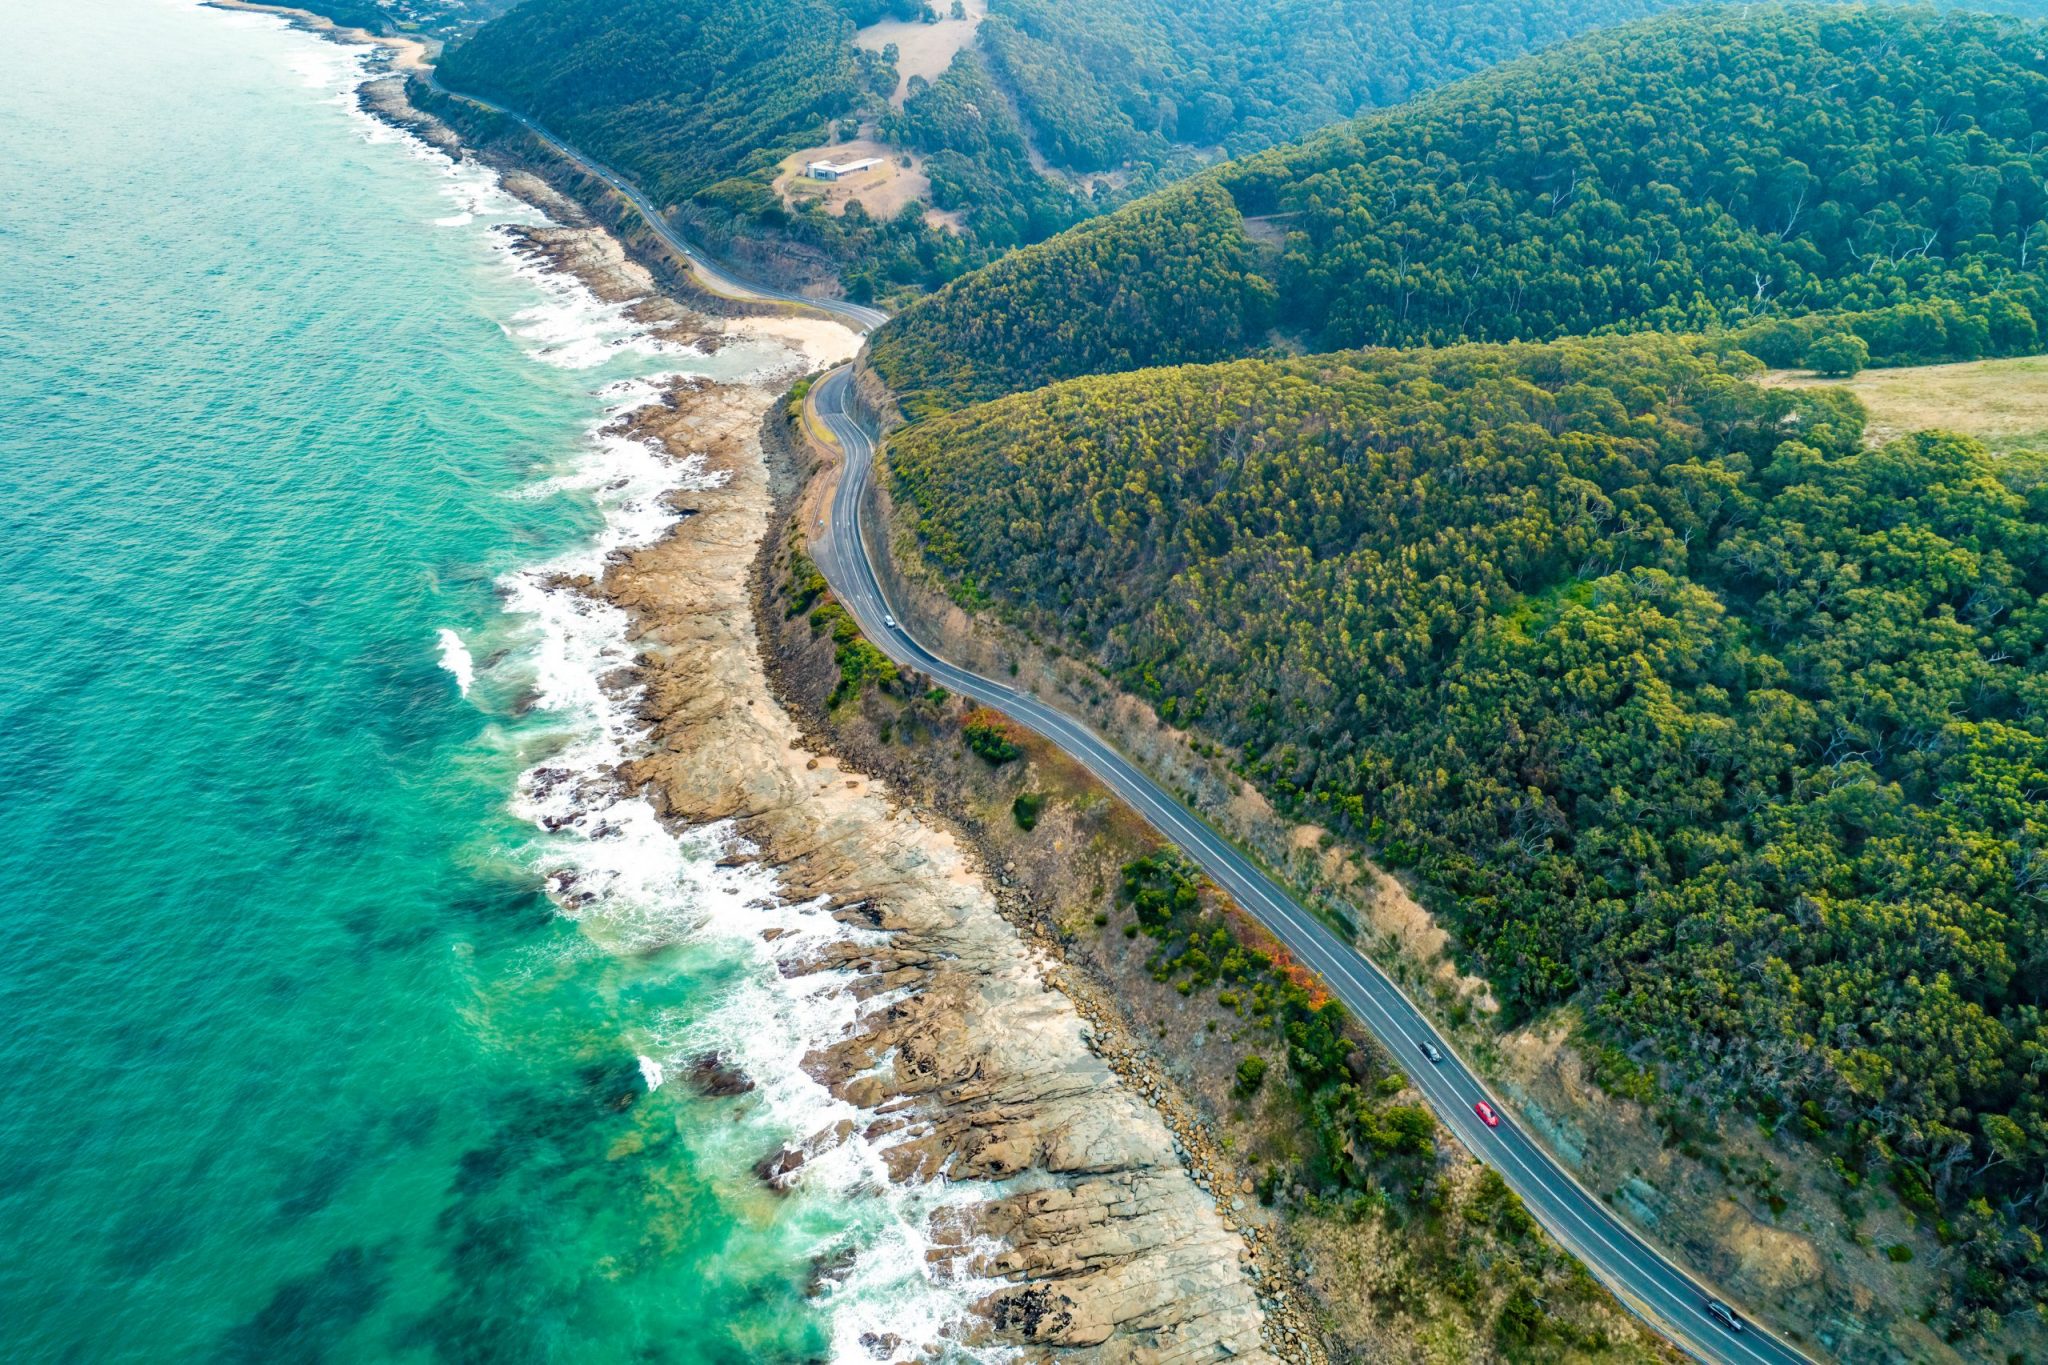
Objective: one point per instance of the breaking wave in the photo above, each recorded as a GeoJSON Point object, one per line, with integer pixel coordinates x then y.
{"type": "Point", "coordinates": [456, 659]}
{"type": "Point", "coordinates": [637, 886]}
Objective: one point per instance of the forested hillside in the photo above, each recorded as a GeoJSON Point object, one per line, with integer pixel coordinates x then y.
{"type": "Point", "coordinates": [1701, 170]}
{"type": "Point", "coordinates": [681, 95]}
{"type": "Point", "coordinates": [1202, 283]}
{"type": "Point", "coordinates": [1137, 84]}
{"type": "Point", "coordinates": [1056, 113]}
{"type": "Point", "coordinates": [979, 161]}
{"type": "Point", "coordinates": [1688, 705]}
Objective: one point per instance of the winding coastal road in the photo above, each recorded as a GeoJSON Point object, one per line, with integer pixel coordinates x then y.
{"type": "Point", "coordinates": [1663, 1294]}
{"type": "Point", "coordinates": [713, 276]}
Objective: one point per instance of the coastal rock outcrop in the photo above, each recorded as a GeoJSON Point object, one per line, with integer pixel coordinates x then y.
{"type": "Point", "coordinates": [968, 1063]}
{"type": "Point", "coordinates": [713, 1076]}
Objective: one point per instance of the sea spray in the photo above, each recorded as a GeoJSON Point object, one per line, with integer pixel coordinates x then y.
{"type": "Point", "coordinates": [455, 657]}
{"type": "Point", "coordinates": [575, 329]}
{"type": "Point", "coordinates": [637, 888]}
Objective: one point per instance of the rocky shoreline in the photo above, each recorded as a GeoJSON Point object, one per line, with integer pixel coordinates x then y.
{"type": "Point", "coordinates": [965, 1061]}
{"type": "Point", "coordinates": [971, 1066]}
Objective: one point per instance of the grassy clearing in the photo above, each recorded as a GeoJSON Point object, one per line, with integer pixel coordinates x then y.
{"type": "Point", "coordinates": [2003, 403]}
{"type": "Point", "coordinates": [924, 49]}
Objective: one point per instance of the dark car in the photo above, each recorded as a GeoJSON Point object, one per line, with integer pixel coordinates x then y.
{"type": "Point", "coordinates": [1724, 1315]}
{"type": "Point", "coordinates": [1429, 1050]}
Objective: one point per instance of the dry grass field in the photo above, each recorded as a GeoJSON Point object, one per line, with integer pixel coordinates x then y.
{"type": "Point", "coordinates": [2003, 403]}
{"type": "Point", "coordinates": [923, 49]}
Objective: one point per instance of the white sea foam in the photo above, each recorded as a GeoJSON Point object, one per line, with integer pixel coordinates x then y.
{"type": "Point", "coordinates": [574, 329]}
{"type": "Point", "coordinates": [332, 67]}
{"type": "Point", "coordinates": [474, 192]}
{"type": "Point", "coordinates": [455, 658]}
{"type": "Point", "coordinates": [319, 64]}
{"type": "Point", "coordinates": [766, 1026]}
{"type": "Point", "coordinates": [636, 887]}
{"type": "Point", "coordinates": [609, 862]}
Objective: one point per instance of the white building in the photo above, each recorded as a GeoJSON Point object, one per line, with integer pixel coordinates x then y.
{"type": "Point", "coordinates": [835, 170]}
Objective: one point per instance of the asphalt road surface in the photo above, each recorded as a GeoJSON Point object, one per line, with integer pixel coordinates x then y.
{"type": "Point", "coordinates": [1664, 1295]}
{"type": "Point", "coordinates": [1669, 1299]}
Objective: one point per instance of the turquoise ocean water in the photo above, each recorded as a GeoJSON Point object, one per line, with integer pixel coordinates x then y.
{"type": "Point", "coordinates": [302, 1061]}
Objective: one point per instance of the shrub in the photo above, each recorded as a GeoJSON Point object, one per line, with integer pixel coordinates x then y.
{"type": "Point", "coordinates": [1160, 886]}
{"type": "Point", "coordinates": [1398, 1130]}
{"type": "Point", "coordinates": [1026, 807]}
{"type": "Point", "coordinates": [1838, 355]}
{"type": "Point", "coordinates": [1494, 1205]}
{"type": "Point", "coordinates": [1914, 1190]}
{"type": "Point", "coordinates": [1251, 1074]}
{"type": "Point", "coordinates": [806, 584]}
{"type": "Point", "coordinates": [1521, 1321]}
{"type": "Point", "coordinates": [797, 396]}
{"type": "Point", "coordinates": [860, 663]}
{"type": "Point", "coordinates": [988, 734]}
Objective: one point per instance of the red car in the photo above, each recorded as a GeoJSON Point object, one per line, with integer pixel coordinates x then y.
{"type": "Point", "coordinates": [1486, 1114]}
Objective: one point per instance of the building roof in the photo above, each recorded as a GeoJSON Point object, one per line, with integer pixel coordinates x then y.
{"type": "Point", "coordinates": [843, 167]}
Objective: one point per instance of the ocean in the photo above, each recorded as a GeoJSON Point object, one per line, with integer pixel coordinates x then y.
{"type": "Point", "coordinates": [319, 1043]}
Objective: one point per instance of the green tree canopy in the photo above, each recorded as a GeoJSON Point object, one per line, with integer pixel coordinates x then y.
{"type": "Point", "coordinates": [1704, 169]}
{"type": "Point", "coordinates": [1689, 706]}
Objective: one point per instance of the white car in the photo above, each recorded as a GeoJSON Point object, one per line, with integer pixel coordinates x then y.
{"type": "Point", "coordinates": [889, 621]}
